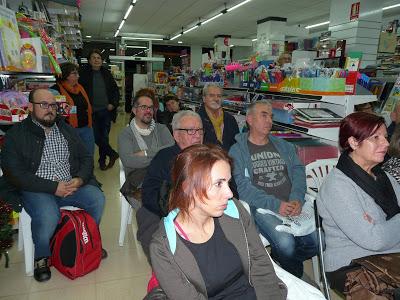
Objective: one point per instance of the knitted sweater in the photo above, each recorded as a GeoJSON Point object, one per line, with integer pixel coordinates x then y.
{"type": "Point", "coordinates": [355, 226]}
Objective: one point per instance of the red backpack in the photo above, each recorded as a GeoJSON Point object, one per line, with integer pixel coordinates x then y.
{"type": "Point", "coordinates": [76, 244]}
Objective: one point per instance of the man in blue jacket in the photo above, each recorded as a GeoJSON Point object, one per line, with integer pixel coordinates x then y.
{"type": "Point", "coordinates": [269, 175]}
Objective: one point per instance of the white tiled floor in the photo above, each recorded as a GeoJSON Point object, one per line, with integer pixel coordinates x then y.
{"type": "Point", "coordinates": [123, 275]}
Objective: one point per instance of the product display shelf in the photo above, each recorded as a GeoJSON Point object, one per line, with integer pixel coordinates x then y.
{"type": "Point", "coordinates": [341, 105]}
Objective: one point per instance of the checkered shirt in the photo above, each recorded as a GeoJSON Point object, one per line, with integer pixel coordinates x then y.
{"type": "Point", "coordinates": [54, 164]}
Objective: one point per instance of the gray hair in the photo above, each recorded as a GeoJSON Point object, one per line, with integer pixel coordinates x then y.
{"type": "Point", "coordinates": [208, 86]}
{"type": "Point", "coordinates": [251, 107]}
{"type": "Point", "coordinates": [176, 120]}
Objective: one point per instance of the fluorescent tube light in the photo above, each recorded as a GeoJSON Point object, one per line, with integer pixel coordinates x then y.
{"type": "Point", "coordinates": [190, 29]}
{"type": "Point", "coordinates": [137, 47]}
{"type": "Point", "coordinates": [89, 36]}
{"type": "Point", "coordinates": [116, 33]}
{"type": "Point", "coordinates": [237, 5]}
{"type": "Point", "coordinates": [180, 42]}
{"type": "Point", "coordinates": [112, 49]}
{"type": "Point", "coordinates": [128, 12]}
{"type": "Point", "coordinates": [142, 38]}
{"type": "Point", "coordinates": [176, 36]}
{"type": "Point", "coordinates": [231, 46]}
{"type": "Point", "coordinates": [254, 40]}
{"type": "Point", "coordinates": [122, 24]}
{"type": "Point", "coordinates": [391, 6]}
{"type": "Point", "coordinates": [317, 25]}
{"type": "Point", "coordinates": [212, 18]}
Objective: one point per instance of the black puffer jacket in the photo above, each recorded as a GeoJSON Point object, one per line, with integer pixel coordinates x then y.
{"type": "Point", "coordinates": [21, 155]}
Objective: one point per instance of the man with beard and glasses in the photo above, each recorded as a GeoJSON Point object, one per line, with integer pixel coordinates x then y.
{"type": "Point", "coordinates": [139, 142]}
{"type": "Point", "coordinates": [46, 166]}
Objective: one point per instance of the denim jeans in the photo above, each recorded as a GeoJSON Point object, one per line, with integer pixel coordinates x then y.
{"type": "Point", "coordinates": [288, 250]}
{"type": "Point", "coordinates": [102, 127]}
{"type": "Point", "coordinates": [87, 136]}
{"type": "Point", "coordinates": [44, 210]}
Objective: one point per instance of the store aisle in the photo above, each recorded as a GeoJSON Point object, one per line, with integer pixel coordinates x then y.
{"type": "Point", "coordinates": [123, 275]}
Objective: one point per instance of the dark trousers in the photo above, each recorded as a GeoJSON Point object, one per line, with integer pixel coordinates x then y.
{"type": "Point", "coordinates": [101, 127]}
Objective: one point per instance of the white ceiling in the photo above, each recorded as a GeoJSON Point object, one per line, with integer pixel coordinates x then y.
{"type": "Point", "coordinates": [101, 18]}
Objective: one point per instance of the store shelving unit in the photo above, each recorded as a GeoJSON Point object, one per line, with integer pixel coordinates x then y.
{"type": "Point", "coordinates": [341, 105]}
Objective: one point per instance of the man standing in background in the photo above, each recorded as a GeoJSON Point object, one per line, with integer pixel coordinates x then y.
{"type": "Point", "coordinates": [104, 96]}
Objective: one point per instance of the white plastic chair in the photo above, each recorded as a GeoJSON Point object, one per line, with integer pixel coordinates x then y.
{"type": "Point", "coordinates": [316, 173]}
{"type": "Point", "coordinates": [25, 238]}
{"type": "Point", "coordinates": [126, 208]}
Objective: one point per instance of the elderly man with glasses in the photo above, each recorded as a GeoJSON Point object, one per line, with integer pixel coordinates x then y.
{"type": "Point", "coordinates": [46, 166]}
{"type": "Point", "coordinates": [187, 129]}
{"type": "Point", "coordinates": [139, 142]}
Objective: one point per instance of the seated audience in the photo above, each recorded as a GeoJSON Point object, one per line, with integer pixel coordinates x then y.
{"type": "Point", "coordinates": [77, 99]}
{"type": "Point", "coordinates": [207, 247]}
{"type": "Point", "coordinates": [187, 130]}
{"type": "Point", "coordinates": [269, 175]}
{"type": "Point", "coordinates": [358, 201]}
{"type": "Point", "coordinates": [139, 142]}
{"type": "Point", "coordinates": [220, 127]}
{"type": "Point", "coordinates": [47, 165]}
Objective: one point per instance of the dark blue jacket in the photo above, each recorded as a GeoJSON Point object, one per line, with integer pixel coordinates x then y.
{"type": "Point", "coordinates": [231, 128]}
{"type": "Point", "coordinates": [158, 172]}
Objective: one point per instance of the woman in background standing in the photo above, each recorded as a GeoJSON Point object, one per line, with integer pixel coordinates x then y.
{"type": "Point", "coordinates": [81, 110]}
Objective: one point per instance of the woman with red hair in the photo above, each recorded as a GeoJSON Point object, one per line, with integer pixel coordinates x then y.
{"type": "Point", "coordinates": [208, 247]}
{"type": "Point", "coordinates": [358, 201]}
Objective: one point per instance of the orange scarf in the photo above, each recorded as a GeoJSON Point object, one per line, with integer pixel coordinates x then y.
{"type": "Point", "coordinates": [65, 90]}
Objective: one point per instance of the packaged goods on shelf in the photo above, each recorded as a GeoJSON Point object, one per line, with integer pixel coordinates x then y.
{"type": "Point", "coordinates": [9, 40]}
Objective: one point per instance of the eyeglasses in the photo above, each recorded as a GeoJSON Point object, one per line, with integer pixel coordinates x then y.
{"type": "Point", "coordinates": [214, 95]}
{"type": "Point", "coordinates": [45, 105]}
{"type": "Point", "coordinates": [192, 131]}
{"type": "Point", "coordinates": [144, 107]}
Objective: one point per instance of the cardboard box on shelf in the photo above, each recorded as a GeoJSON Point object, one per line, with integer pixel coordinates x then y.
{"type": "Point", "coordinates": [309, 150]}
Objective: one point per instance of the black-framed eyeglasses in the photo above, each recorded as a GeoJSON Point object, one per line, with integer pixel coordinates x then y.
{"type": "Point", "coordinates": [144, 107]}
{"type": "Point", "coordinates": [192, 131]}
{"type": "Point", "coordinates": [45, 105]}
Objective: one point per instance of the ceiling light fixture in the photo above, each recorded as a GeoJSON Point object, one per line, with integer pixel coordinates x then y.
{"type": "Point", "coordinates": [212, 18]}
{"type": "Point", "coordinates": [88, 36]}
{"type": "Point", "coordinates": [122, 24]}
{"type": "Point", "coordinates": [137, 47]}
{"type": "Point", "coordinates": [176, 36]}
{"type": "Point", "coordinates": [231, 46]}
{"type": "Point", "coordinates": [180, 42]}
{"type": "Point", "coordinates": [112, 49]}
{"type": "Point", "coordinates": [254, 40]}
{"type": "Point", "coordinates": [238, 5]}
{"type": "Point", "coordinates": [224, 11]}
{"type": "Point", "coordinates": [190, 29]}
{"type": "Point", "coordinates": [128, 12]}
{"type": "Point", "coordinates": [143, 38]}
{"type": "Point", "coordinates": [317, 25]}
{"type": "Point", "coordinates": [391, 6]}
